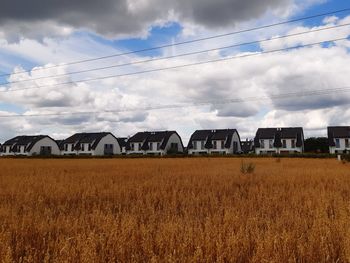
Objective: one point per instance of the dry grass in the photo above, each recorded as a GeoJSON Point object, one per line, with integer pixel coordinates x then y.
{"type": "Point", "coordinates": [174, 210]}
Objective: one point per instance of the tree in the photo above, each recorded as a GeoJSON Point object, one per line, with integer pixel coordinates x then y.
{"type": "Point", "coordinates": [316, 145]}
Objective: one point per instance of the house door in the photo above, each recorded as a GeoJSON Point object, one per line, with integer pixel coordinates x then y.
{"type": "Point", "coordinates": [45, 150]}
{"type": "Point", "coordinates": [108, 150]}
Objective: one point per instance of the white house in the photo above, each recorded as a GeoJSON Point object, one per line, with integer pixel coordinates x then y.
{"type": "Point", "coordinates": [95, 144]}
{"type": "Point", "coordinates": [279, 140]}
{"type": "Point", "coordinates": [30, 145]}
{"type": "Point", "coordinates": [339, 139]}
{"type": "Point", "coordinates": [225, 141]}
{"type": "Point", "coordinates": [155, 143]}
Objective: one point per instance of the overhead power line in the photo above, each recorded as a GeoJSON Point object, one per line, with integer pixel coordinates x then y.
{"type": "Point", "coordinates": [179, 55]}
{"type": "Point", "coordinates": [178, 66]}
{"type": "Point", "coordinates": [185, 42]}
{"type": "Point", "coordinates": [193, 104]}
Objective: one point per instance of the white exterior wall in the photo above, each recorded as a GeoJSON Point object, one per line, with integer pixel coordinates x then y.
{"type": "Point", "coordinates": [22, 150]}
{"type": "Point", "coordinates": [8, 153]}
{"type": "Point", "coordinates": [238, 140]}
{"type": "Point", "coordinates": [198, 149]}
{"type": "Point", "coordinates": [288, 148]}
{"type": "Point", "coordinates": [70, 150]}
{"type": "Point", "coordinates": [153, 149]}
{"type": "Point", "coordinates": [174, 138]}
{"type": "Point", "coordinates": [342, 146]}
{"type": "Point", "coordinates": [108, 139]}
{"type": "Point", "coordinates": [86, 149]}
{"type": "Point", "coordinates": [266, 148]}
{"type": "Point", "coordinates": [45, 142]}
{"type": "Point", "coordinates": [137, 148]}
{"type": "Point", "coordinates": [124, 150]}
{"type": "Point", "coordinates": [220, 147]}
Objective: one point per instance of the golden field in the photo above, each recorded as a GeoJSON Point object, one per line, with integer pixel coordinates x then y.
{"type": "Point", "coordinates": [174, 210]}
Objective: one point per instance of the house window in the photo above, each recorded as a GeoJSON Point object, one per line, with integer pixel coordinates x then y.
{"type": "Point", "coordinates": [132, 146]}
{"type": "Point", "coordinates": [158, 146]}
{"type": "Point", "coordinates": [222, 144]}
{"type": "Point", "coordinates": [83, 147]}
{"type": "Point", "coordinates": [150, 145]}
{"type": "Point", "coordinates": [293, 143]}
{"type": "Point", "coordinates": [262, 144]}
{"type": "Point", "coordinates": [194, 145]}
{"type": "Point", "coordinates": [347, 145]}
{"type": "Point", "coordinates": [174, 146]}
{"type": "Point", "coordinates": [284, 144]}
{"type": "Point", "coordinates": [66, 147]}
{"type": "Point", "coordinates": [202, 145]}
{"type": "Point", "coordinates": [215, 144]}
{"type": "Point", "coordinates": [337, 143]}
{"type": "Point", "coordinates": [270, 144]}
{"type": "Point", "coordinates": [235, 147]}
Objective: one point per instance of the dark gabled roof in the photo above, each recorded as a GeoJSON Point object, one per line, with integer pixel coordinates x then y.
{"type": "Point", "coordinates": [93, 138]}
{"type": "Point", "coordinates": [223, 135]}
{"type": "Point", "coordinates": [139, 137]}
{"type": "Point", "coordinates": [147, 137]}
{"type": "Point", "coordinates": [212, 135]}
{"type": "Point", "coordinates": [291, 133]}
{"type": "Point", "coordinates": [278, 134]}
{"type": "Point", "coordinates": [337, 132]}
{"type": "Point", "coordinates": [122, 141]}
{"type": "Point", "coordinates": [27, 141]}
{"type": "Point", "coordinates": [266, 133]}
{"type": "Point", "coordinates": [201, 135]}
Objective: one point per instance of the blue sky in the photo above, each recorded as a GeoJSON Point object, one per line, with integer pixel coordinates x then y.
{"type": "Point", "coordinates": [66, 41]}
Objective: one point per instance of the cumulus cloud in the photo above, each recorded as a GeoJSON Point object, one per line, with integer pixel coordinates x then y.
{"type": "Point", "coordinates": [112, 18]}
{"type": "Point", "coordinates": [266, 77]}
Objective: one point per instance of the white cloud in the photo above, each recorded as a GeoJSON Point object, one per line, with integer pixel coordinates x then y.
{"type": "Point", "coordinates": [299, 70]}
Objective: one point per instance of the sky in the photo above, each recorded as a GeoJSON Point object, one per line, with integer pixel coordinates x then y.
{"type": "Point", "coordinates": [45, 46]}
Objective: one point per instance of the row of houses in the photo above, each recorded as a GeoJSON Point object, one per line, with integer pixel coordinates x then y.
{"type": "Point", "coordinates": [221, 141]}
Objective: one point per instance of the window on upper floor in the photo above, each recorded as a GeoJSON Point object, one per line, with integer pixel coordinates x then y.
{"type": "Point", "coordinates": [270, 144]}
{"type": "Point", "coordinates": [337, 143]}
{"type": "Point", "coordinates": [262, 144]}
{"type": "Point", "coordinates": [284, 143]}
{"type": "Point", "coordinates": [174, 146]}
{"type": "Point", "coordinates": [293, 143]}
